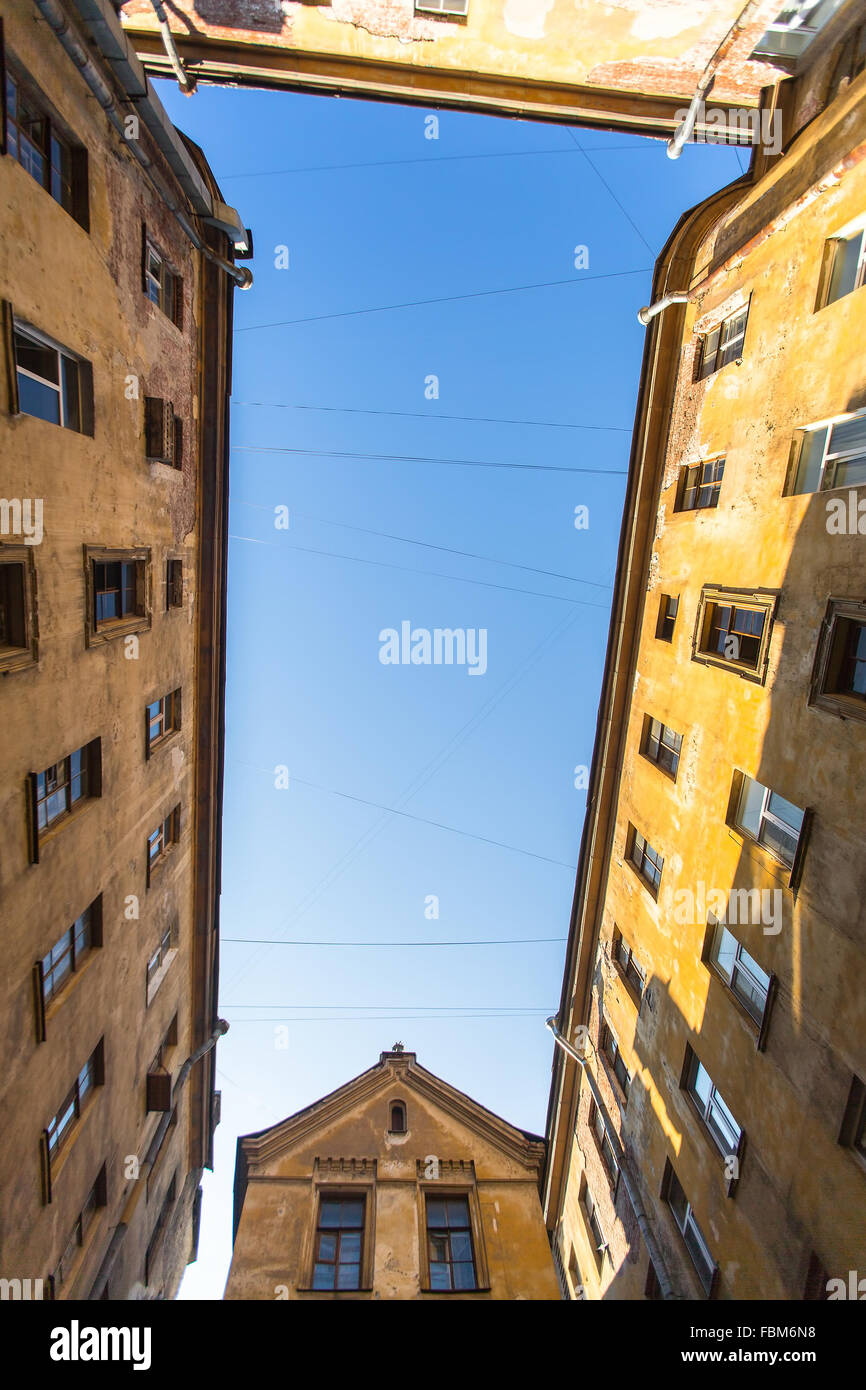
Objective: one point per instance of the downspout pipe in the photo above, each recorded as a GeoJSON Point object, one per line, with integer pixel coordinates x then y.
{"type": "Point", "coordinates": [187, 85]}
{"type": "Point", "coordinates": [122, 1226]}
{"type": "Point", "coordinates": [684, 131]}
{"type": "Point", "coordinates": [59, 24]}
{"type": "Point", "coordinates": [665, 1285]}
{"type": "Point", "coordinates": [649, 311]}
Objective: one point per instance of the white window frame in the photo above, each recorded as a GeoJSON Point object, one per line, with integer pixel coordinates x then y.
{"type": "Point", "coordinates": [26, 330]}
{"type": "Point", "coordinates": [691, 1231]}
{"type": "Point", "coordinates": [456, 8]}
{"type": "Point", "coordinates": [829, 460]}
{"type": "Point", "coordinates": [768, 817]}
{"type": "Point", "coordinates": [742, 963]}
{"type": "Point", "coordinates": [714, 1105]}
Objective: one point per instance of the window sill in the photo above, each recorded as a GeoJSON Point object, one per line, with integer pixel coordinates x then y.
{"type": "Point", "coordinates": [755, 850]}
{"type": "Point", "coordinates": [636, 999]}
{"type": "Point", "coordinates": [160, 976]}
{"type": "Point", "coordinates": [450, 1293]}
{"type": "Point", "coordinates": [17, 659]}
{"type": "Point", "coordinates": [160, 469]}
{"type": "Point", "coordinates": [747, 673]}
{"type": "Point", "coordinates": [58, 1163]}
{"type": "Point", "coordinates": [161, 742]}
{"type": "Point", "coordinates": [841, 706]}
{"type": "Point", "coordinates": [120, 627]}
{"type": "Point", "coordinates": [671, 776]}
{"type": "Point", "coordinates": [335, 1293]}
{"type": "Point", "coordinates": [57, 826]}
{"type": "Point", "coordinates": [644, 882]}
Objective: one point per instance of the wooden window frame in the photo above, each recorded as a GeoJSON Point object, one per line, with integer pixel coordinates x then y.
{"type": "Point", "coordinates": [646, 745]}
{"type": "Point", "coordinates": [689, 491]}
{"type": "Point", "coordinates": [173, 582]}
{"type": "Point", "coordinates": [664, 614]}
{"type": "Point", "coordinates": [588, 1211]}
{"type": "Point", "coordinates": [620, 946]}
{"type": "Point", "coordinates": [107, 630]}
{"type": "Point", "coordinates": [53, 1155]}
{"type": "Point", "coordinates": [56, 129]}
{"type": "Point", "coordinates": [167, 282]}
{"type": "Point", "coordinates": [170, 702]}
{"type": "Point", "coordinates": [80, 1236]}
{"type": "Point", "coordinates": [765, 601]}
{"type": "Point", "coordinates": [691, 1063]}
{"type": "Point", "coordinates": [91, 771]}
{"type": "Point", "coordinates": [164, 955]}
{"type": "Point", "coordinates": [21, 658]}
{"type": "Point", "coordinates": [440, 1188]}
{"type": "Point", "coordinates": [839, 703]}
{"type": "Point", "coordinates": [404, 1112]}
{"type": "Point", "coordinates": [47, 1004]}
{"type": "Point", "coordinates": [163, 433]}
{"type": "Point", "coordinates": [608, 1160]}
{"type": "Point", "coordinates": [324, 1186]}
{"type": "Point", "coordinates": [611, 1051]}
{"type": "Point", "coordinates": [722, 353]}
{"type": "Point", "coordinates": [168, 831]}
{"type": "Point", "coordinates": [649, 883]}
{"type": "Point", "coordinates": [852, 1135]}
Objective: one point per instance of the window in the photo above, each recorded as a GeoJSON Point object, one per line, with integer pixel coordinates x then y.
{"type": "Point", "coordinates": [605, 1147]}
{"type": "Point", "coordinates": [740, 972]}
{"type": "Point", "coordinates": [161, 840]}
{"type": "Point", "coordinates": [590, 1214]}
{"type": "Point", "coordinates": [61, 1126]}
{"type": "Point", "coordinates": [844, 268]}
{"type": "Point", "coordinates": [699, 486]}
{"type": "Point", "coordinates": [647, 861]}
{"type": "Point", "coordinates": [724, 344]}
{"type": "Point", "coordinates": [853, 1134]}
{"type": "Point", "coordinates": [450, 7]}
{"type": "Point", "coordinates": [610, 1048]}
{"type": "Point", "coordinates": [62, 789]}
{"type": "Point", "coordinates": [339, 1243]}
{"type": "Point", "coordinates": [631, 971]}
{"type": "Point", "coordinates": [668, 606]}
{"type": "Point", "coordinates": [158, 1084]}
{"type": "Point", "coordinates": [36, 141]}
{"type": "Point", "coordinates": [794, 28]}
{"type": "Point", "coordinates": [449, 1243]}
{"type": "Point", "coordinates": [733, 629]}
{"type": "Point", "coordinates": [117, 593]}
{"type": "Point", "coordinates": [161, 720]}
{"type": "Point", "coordinates": [769, 819]}
{"type": "Point", "coordinates": [18, 647]}
{"type": "Point", "coordinates": [398, 1117]}
{"type": "Point", "coordinates": [661, 745]}
{"type": "Point", "coordinates": [95, 1199]}
{"type": "Point", "coordinates": [160, 961]}
{"type": "Point", "coordinates": [829, 456]}
{"type": "Point", "coordinates": [709, 1104]}
{"type": "Point", "coordinates": [58, 966]}
{"type": "Point", "coordinates": [689, 1230]}
{"type": "Point", "coordinates": [162, 1144]}
{"type": "Point", "coordinates": [161, 282]}
{"type": "Point", "coordinates": [652, 1288]}
{"type": "Point", "coordinates": [163, 432]}
{"type": "Point", "coordinates": [839, 672]}
{"type": "Point", "coordinates": [174, 584]}
{"type": "Point", "coordinates": [51, 382]}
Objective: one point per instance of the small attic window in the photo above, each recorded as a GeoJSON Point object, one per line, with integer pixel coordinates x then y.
{"type": "Point", "coordinates": [398, 1117]}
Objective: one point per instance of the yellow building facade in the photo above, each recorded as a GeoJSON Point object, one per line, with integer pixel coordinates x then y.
{"type": "Point", "coordinates": [395, 1186]}
{"type": "Point", "coordinates": [117, 276]}
{"type": "Point", "coordinates": [707, 1122]}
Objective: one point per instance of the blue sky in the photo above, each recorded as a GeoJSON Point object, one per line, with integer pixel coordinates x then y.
{"type": "Point", "coordinates": [491, 205]}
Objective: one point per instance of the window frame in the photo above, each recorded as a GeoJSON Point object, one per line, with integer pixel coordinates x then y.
{"type": "Point", "coordinates": [164, 288]}
{"type": "Point", "coordinates": [671, 1186]}
{"type": "Point", "coordinates": [167, 836]}
{"type": "Point", "coordinates": [337, 1186]}
{"type": "Point", "coordinates": [726, 344]}
{"type": "Point", "coordinates": [606, 1151]}
{"type": "Point", "coordinates": [628, 967]}
{"type": "Point", "coordinates": [98, 631]}
{"type": "Point", "coordinates": [706, 1109]}
{"type": "Point", "coordinates": [739, 785]}
{"type": "Point", "coordinates": [164, 956]}
{"type": "Point", "coordinates": [82, 1230]}
{"type": "Point", "coordinates": [751, 600]}
{"type": "Point", "coordinates": [830, 461]}
{"type": "Point", "coordinates": [20, 658]}
{"type": "Point", "coordinates": [832, 247]}
{"type": "Point", "coordinates": [83, 381]}
{"type": "Point", "coordinates": [89, 777]}
{"type": "Point", "coordinates": [665, 615]}
{"type": "Point", "coordinates": [758, 1019]}
{"type": "Point", "coordinates": [58, 1137]}
{"type": "Point", "coordinates": [441, 11]}
{"type": "Point", "coordinates": [443, 1188]}
{"type": "Point", "coordinates": [840, 703]}
{"type": "Point", "coordinates": [647, 855]}
{"type": "Point", "coordinates": [649, 737]}
{"type": "Point", "coordinates": [593, 1224]}
{"type": "Point", "coordinates": [612, 1052]}
{"type": "Point", "coordinates": [48, 1002]}
{"type": "Point", "coordinates": [56, 130]}
{"type": "Point", "coordinates": [689, 492]}
{"type": "Point", "coordinates": [170, 705]}
{"type": "Point", "coordinates": [852, 1135]}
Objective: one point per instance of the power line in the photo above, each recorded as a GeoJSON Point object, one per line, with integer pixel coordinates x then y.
{"type": "Point", "coordinates": [441, 299]}
{"type": "Point", "coordinates": [485, 941]}
{"type": "Point", "coordinates": [428, 545]}
{"type": "Point", "coordinates": [432, 159]}
{"type": "Point", "coordinates": [407, 815]}
{"type": "Point", "coordinates": [423, 458]}
{"type": "Point", "coordinates": [412, 569]}
{"type": "Point", "coordinates": [372, 1018]}
{"type": "Point", "coordinates": [604, 181]}
{"type": "Point", "coordinates": [425, 415]}
{"type": "Point", "coordinates": [430, 1008]}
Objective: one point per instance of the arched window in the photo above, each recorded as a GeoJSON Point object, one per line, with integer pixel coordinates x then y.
{"type": "Point", "coordinates": [398, 1117]}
